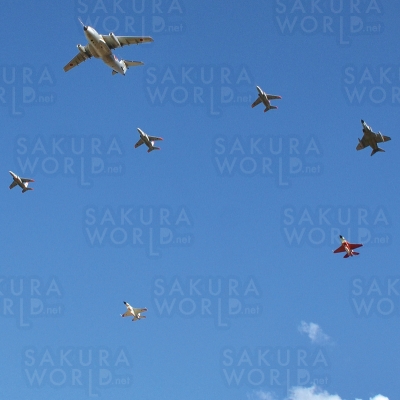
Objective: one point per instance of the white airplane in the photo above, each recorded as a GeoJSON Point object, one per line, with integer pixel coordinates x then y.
{"type": "Point", "coordinates": [100, 46]}
{"type": "Point", "coordinates": [147, 140]}
{"type": "Point", "coordinates": [21, 182]}
{"type": "Point", "coordinates": [133, 312]}
{"type": "Point", "coordinates": [265, 99]}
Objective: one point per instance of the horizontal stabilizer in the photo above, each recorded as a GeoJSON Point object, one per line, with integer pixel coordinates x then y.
{"type": "Point", "coordinates": [114, 72]}
{"type": "Point", "coordinates": [153, 148]}
{"type": "Point", "coordinates": [355, 253]}
{"type": "Point", "coordinates": [346, 256]}
{"type": "Point", "coordinates": [132, 63]}
{"type": "Point", "coordinates": [376, 150]}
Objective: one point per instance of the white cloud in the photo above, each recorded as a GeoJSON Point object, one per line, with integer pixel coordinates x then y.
{"type": "Point", "coordinates": [314, 332]}
{"type": "Point", "coordinates": [261, 395]}
{"type": "Point", "coordinates": [312, 393]}
{"type": "Point", "coordinates": [302, 393]}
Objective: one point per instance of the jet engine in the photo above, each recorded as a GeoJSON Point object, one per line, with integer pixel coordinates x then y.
{"type": "Point", "coordinates": [115, 40]}
{"type": "Point", "coordinates": [81, 49]}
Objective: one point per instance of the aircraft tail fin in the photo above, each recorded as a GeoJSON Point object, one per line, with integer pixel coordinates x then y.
{"type": "Point", "coordinates": [376, 150]}
{"type": "Point", "coordinates": [26, 189]}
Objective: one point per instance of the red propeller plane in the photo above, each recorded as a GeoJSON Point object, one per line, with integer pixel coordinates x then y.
{"type": "Point", "coordinates": [347, 247]}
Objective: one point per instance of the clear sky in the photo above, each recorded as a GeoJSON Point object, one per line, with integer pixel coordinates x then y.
{"type": "Point", "coordinates": [225, 234]}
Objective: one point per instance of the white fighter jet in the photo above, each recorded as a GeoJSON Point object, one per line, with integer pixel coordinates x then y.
{"type": "Point", "coordinates": [265, 99]}
{"type": "Point", "coordinates": [21, 182]}
{"type": "Point", "coordinates": [133, 312]}
{"type": "Point", "coordinates": [371, 138]}
{"type": "Point", "coordinates": [147, 140]}
{"type": "Point", "coordinates": [100, 46]}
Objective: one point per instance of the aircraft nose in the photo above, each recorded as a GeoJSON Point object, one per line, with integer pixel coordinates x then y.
{"type": "Point", "coordinates": [340, 236]}
{"type": "Point", "coordinates": [362, 121]}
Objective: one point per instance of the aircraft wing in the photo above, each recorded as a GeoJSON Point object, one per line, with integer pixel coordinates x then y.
{"type": "Point", "coordinates": [13, 184]}
{"type": "Point", "coordinates": [153, 138]}
{"type": "Point", "coordinates": [139, 143]}
{"type": "Point", "coordinates": [273, 97]}
{"type": "Point", "coordinates": [340, 249]}
{"type": "Point", "coordinates": [362, 144]}
{"type": "Point", "coordinates": [27, 180]}
{"type": "Point", "coordinates": [139, 310]}
{"type": "Point", "coordinates": [381, 138]}
{"type": "Point", "coordinates": [79, 58]}
{"type": "Point", "coordinates": [354, 246]}
{"type": "Point", "coordinates": [257, 102]}
{"type": "Point", "coordinates": [126, 40]}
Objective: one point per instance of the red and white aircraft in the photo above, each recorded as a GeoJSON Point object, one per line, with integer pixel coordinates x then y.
{"type": "Point", "coordinates": [347, 247]}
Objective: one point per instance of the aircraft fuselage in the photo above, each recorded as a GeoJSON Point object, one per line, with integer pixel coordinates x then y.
{"type": "Point", "coordinates": [264, 98]}
{"type": "Point", "coordinates": [346, 246]}
{"type": "Point", "coordinates": [146, 139]}
{"type": "Point", "coordinates": [99, 49]}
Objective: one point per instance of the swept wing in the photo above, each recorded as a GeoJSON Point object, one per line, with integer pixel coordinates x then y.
{"type": "Point", "coordinates": [340, 249]}
{"type": "Point", "coordinates": [381, 138]}
{"type": "Point", "coordinates": [79, 58]}
{"type": "Point", "coordinates": [139, 143]}
{"type": "Point", "coordinates": [125, 40]}
{"type": "Point", "coordinates": [257, 102]}
{"type": "Point", "coordinates": [362, 143]}
{"type": "Point", "coordinates": [153, 138]}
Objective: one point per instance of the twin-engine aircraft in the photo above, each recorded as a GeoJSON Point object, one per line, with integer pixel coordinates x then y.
{"type": "Point", "coordinates": [147, 140]}
{"type": "Point", "coordinates": [371, 138]}
{"type": "Point", "coordinates": [133, 312]}
{"type": "Point", "coordinates": [21, 182]}
{"type": "Point", "coordinates": [100, 46]}
{"type": "Point", "coordinates": [347, 247]}
{"type": "Point", "coordinates": [265, 99]}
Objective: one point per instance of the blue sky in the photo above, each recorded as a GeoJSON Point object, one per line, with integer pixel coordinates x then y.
{"type": "Point", "coordinates": [226, 234]}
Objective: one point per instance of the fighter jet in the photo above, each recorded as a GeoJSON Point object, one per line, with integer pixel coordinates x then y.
{"type": "Point", "coordinates": [147, 140]}
{"type": "Point", "coordinates": [100, 46]}
{"type": "Point", "coordinates": [347, 247]}
{"type": "Point", "coordinates": [135, 312]}
{"type": "Point", "coordinates": [265, 99]}
{"type": "Point", "coordinates": [21, 182]}
{"type": "Point", "coordinates": [371, 138]}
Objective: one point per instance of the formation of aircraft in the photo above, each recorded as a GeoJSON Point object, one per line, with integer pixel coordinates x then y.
{"type": "Point", "coordinates": [100, 46]}
{"type": "Point", "coordinates": [147, 140]}
{"type": "Point", "coordinates": [133, 312]}
{"type": "Point", "coordinates": [371, 138]}
{"type": "Point", "coordinates": [21, 182]}
{"type": "Point", "coordinates": [347, 247]}
{"type": "Point", "coordinates": [265, 99]}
